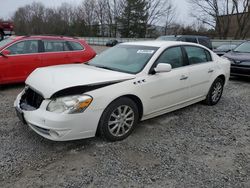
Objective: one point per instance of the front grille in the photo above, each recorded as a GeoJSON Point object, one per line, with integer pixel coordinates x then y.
{"type": "Point", "coordinates": [31, 100]}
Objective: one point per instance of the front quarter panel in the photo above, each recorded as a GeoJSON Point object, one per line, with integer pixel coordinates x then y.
{"type": "Point", "coordinates": [104, 96]}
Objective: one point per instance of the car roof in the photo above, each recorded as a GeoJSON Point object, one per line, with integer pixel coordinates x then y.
{"type": "Point", "coordinates": [199, 36]}
{"type": "Point", "coordinates": [159, 44]}
{"type": "Point", "coordinates": [42, 37]}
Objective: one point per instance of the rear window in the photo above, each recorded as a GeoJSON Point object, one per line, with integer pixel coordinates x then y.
{"type": "Point", "coordinates": [191, 39]}
{"type": "Point", "coordinates": [75, 46]}
{"type": "Point", "coordinates": [167, 38]}
{"type": "Point", "coordinates": [205, 42]}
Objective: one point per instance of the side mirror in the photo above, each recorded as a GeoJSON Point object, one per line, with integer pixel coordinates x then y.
{"type": "Point", "coordinates": [163, 67]}
{"type": "Point", "coordinates": [5, 53]}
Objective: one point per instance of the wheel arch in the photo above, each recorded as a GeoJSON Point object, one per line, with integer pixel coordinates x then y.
{"type": "Point", "coordinates": [138, 103]}
{"type": "Point", "coordinates": [223, 77]}
{"type": "Point", "coordinates": [135, 99]}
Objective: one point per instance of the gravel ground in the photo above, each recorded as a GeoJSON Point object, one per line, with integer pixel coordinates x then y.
{"type": "Point", "coordinates": [198, 146]}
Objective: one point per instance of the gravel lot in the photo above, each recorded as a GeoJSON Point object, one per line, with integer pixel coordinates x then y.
{"type": "Point", "coordinates": [198, 146]}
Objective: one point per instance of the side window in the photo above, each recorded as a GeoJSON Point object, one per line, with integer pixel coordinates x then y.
{"type": "Point", "coordinates": [55, 46]}
{"type": "Point", "coordinates": [75, 46]}
{"type": "Point", "coordinates": [197, 55]}
{"type": "Point", "coordinates": [172, 56]}
{"type": "Point", "coordinates": [205, 42]}
{"type": "Point", "coordinates": [24, 47]}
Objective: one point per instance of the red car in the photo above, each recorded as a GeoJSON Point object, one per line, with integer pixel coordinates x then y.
{"type": "Point", "coordinates": [6, 28]}
{"type": "Point", "coordinates": [20, 55]}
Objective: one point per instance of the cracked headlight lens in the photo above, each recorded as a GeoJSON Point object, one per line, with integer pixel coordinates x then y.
{"type": "Point", "coordinates": [70, 105]}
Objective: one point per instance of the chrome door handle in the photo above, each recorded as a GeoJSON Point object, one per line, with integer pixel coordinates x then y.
{"type": "Point", "coordinates": [210, 71]}
{"type": "Point", "coordinates": [183, 77]}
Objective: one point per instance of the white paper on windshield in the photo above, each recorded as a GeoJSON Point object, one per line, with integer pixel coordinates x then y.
{"type": "Point", "coordinates": [145, 51]}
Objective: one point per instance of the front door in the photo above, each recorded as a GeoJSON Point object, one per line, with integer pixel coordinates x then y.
{"type": "Point", "coordinates": [167, 90]}
{"type": "Point", "coordinates": [23, 59]}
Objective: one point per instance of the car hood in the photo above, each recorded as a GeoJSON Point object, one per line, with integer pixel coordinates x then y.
{"type": "Point", "coordinates": [236, 56]}
{"type": "Point", "coordinates": [51, 80]}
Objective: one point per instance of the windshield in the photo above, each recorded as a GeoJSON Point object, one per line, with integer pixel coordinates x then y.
{"type": "Point", "coordinates": [226, 47]}
{"type": "Point", "coordinates": [6, 41]}
{"type": "Point", "coordinates": [244, 48]}
{"type": "Point", "coordinates": [167, 38]}
{"type": "Point", "coordinates": [124, 58]}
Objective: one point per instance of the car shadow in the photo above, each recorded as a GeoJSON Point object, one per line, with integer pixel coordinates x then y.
{"type": "Point", "coordinates": [11, 86]}
{"type": "Point", "coordinates": [240, 79]}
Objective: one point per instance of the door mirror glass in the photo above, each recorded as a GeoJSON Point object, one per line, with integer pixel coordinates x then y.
{"type": "Point", "coordinates": [163, 67]}
{"type": "Point", "coordinates": [5, 53]}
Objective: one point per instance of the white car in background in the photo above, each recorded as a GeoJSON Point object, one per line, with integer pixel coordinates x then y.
{"type": "Point", "coordinates": [123, 85]}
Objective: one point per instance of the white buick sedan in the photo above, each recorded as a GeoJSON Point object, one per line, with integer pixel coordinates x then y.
{"type": "Point", "coordinates": [122, 86]}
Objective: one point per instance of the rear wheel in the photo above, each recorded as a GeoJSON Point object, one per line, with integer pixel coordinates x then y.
{"type": "Point", "coordinates": [215, 92]}
{"type": "Point", "coordinates": [118, 119]}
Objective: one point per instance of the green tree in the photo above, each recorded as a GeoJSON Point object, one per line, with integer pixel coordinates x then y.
{"type": "Point", "coordinates": [133, 19]}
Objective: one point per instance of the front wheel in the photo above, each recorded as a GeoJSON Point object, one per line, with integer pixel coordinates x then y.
{"type": "Point", "coordinates": [118, 119]}
{"type": "Point", "coordinates": [215, 92]}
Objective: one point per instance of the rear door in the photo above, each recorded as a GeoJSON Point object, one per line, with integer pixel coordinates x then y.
{"type": "Point", "coordinates": [55, 52]}
{"type": "Point", "coordinates": [23, 59]}
{"type": "Point", "coordinates": [201, 69]}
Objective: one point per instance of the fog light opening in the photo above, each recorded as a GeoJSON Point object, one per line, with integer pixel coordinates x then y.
{"type": "Point", "coordinates": [53, 133]}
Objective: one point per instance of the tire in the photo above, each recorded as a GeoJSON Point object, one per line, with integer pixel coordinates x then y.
{"type": "Point", "coordinates": [1, 35]}
{"type": "Point", "coordinates": [118, 120]}
{"type": "Point", "coordinates": [215, 92]}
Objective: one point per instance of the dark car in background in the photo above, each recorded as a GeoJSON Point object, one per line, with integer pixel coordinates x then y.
{"type": "Point", "coordinates": [240, 60]}
{"type": "Point", "coordinates": [203, 40]}
{"type": "Point", "coordinates": [224, 48]}
{"type": "Point", "coordinates": [112, 43]}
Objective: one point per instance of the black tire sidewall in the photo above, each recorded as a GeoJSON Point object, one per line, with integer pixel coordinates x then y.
{"type": "Point", "coordinates": [103, 124]}
{"type": "Point", "coordinates": [1, 36]}
{"type": "Point", "coordinates": [209, 100]}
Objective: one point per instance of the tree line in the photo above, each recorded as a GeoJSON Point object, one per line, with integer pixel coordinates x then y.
{"type": "Point", "coordinates": [105, 18]}
{"type": "Point", "coordinates": [134, 19]}
{"type": "Point", "coordinates": [229, 18]}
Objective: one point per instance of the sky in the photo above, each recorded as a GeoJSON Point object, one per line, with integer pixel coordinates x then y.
{"type": "Point", "coordinates": [8, 7]}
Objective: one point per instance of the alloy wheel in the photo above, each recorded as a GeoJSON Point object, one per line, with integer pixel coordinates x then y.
{"type": "Point", "coordinates": [217, 91]}
{"type": "Point", "coordinates": [121, 121]}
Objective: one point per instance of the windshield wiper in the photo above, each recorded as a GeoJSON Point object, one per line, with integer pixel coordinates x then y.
{"type": "Point", "coordinates": [236, 51]}
{"type": "Point", "coordinates": [240, 51]}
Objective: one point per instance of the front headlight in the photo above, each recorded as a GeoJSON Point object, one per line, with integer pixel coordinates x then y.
{"type": "Point", "coordinates": [70, 104]}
